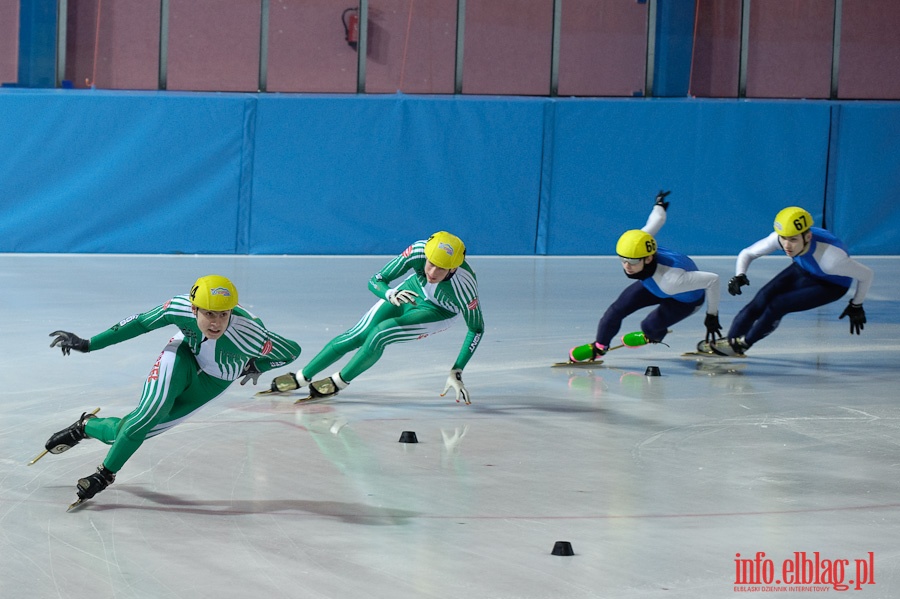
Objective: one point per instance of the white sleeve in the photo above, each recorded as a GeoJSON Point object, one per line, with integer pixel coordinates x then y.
{"type": "Point", "coordinates": [676, 280]}
{"type": "Point", "coordinates": [763, 247]}
{"type": "Point", "coordinates": [835, 261]}
{"type": "Point", "coordinates": [655, 221]}
{"type": "Point", "coordinates": [863, 276]}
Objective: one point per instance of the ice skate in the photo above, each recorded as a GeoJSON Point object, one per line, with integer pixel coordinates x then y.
{"type": "Point", "coordinates": [723, 348]}
{"type": "Point", "coordinates": [285, 383]}
{"type": "Point", "coordinates": [734, 347]}
{"type": "Point", "coordinates": [589, 354]}
{"type": "Point", "coordinates": [323, 388]}
{"type": "Point", "coordinates": [92, 484]}
{"type": "Point", "coordinates": [703, 348]}
{"type": "Point", "coordinates": [67, 438]}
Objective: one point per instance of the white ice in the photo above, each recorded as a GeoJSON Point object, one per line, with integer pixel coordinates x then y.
{"type": "Point", "coordinates": [657, 482]}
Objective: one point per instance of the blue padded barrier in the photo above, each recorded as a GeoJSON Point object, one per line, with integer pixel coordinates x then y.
{"type": "Point", "coordinates": [119, 173]}
{"type": "Point", "coordinates": [361, 175]}
{"type": "Point", "coordinates": [863, 205]}
{"type": "Point", "coordinates": [158, 172]}
{"type": "Point", "coordinates": [730, 165]}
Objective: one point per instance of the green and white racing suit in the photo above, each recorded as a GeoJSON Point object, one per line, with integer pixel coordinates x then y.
{"type": "Point", "coordinates": [437, 306]}
{"type": "Point", "coordinates": [190, 371]}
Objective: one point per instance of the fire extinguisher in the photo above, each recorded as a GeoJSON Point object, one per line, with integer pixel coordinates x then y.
{"type": "Point", "coordinates": [350, 19]}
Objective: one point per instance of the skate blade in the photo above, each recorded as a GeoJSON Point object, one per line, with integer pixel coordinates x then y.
{"type": "Point", "coordinates": [700, 354]}
{"type": "Point", "coordinates": [77, 504]}
{"type": "Point", "coordinates": [269, 392]}
{"type": "Point", "coordinates": [588, 364]}
{"type": "Point", "coordinates": [309, 399]}
{"type": "Point", "coordinates": [46, 451]}
{"type": "Point", "coordinates": [39, 456]}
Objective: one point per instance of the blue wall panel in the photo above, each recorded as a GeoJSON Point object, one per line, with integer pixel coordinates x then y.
{"type": "Point", "coordinates": [37, 43]}
{"type": "Point", "coordinates": [366, 175]}
{"type": "Point", "coordinates": [108, 172]}
{"type": "Point", "coordinates": [157, 172]}
{"type": "Point", "coordinates": [674, 48]}
{"type": "Point", "coordinates": [864, 209]}
{"type": "Point", "coordinates": [730, 165]}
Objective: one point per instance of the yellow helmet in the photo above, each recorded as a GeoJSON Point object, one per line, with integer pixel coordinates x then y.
{"type": "Point", "coordinates": [445, 250]}
{"type": "Point", "coordinates": [636, 244]}
{"type": "Point", "coordinates": [792, 221]}
{"type": "Point", "coordinates": [214, 292]}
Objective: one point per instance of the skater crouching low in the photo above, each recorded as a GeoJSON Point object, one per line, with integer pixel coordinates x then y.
{"type": "Point", "coordinates": [821, 272]}
{"type": "Point", "coordinates": [438, 288]}
{"type": "Point", "coordinates": [217, 343]}
{"type": "Point", "coordinates": [665, 279]}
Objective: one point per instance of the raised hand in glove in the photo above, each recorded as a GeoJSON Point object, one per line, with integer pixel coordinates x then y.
{"type": "Point", "coordinates": [250, 373]}
{"type": "Point", "coordinates": [713, 328]}
{"type": "Point", "coordinates": [661, 199]}
{"type": "Point", "coordinates": [401, 296]}
{"type": "Point", "coordinates": [455, 381]}
{"type": "Point", "coordinates": [68, 341]}
{"type": "Point", "coordinates": [857, 317]}
{"type": "Point", "coordinates": [736, 282]}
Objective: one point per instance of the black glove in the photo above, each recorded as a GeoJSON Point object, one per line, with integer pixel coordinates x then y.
{"type": "Point", "coordinates": [713, 328]}
{"type": "Point", "coordinates": [69, 341]}
{"type": "Point", "coordinates": [250, 373]}
{"type": "Point", "coordinates": [857, 317]}
{"type": "Point", "coordinates": [661, 199]}
{"type": "Point", "coordinates": [735, 284]}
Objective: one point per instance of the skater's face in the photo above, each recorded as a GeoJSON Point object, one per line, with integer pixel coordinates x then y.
{"type": "Point", "coordinates": [211, 323]}
{"type": "Point", "coordinates": [635, 265]}
{"type": "Point", "coordinates": [794, 245]}
{"type": "Point", "coordinates": [435, 274]}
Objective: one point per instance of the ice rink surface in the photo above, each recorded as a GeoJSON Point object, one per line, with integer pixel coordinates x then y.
{"type": "Point", "coordinates": [658, 483]}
